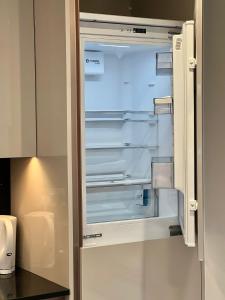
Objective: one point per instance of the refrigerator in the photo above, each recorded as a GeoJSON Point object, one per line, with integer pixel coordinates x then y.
{"type": "Point", "coordinates": [138, 139]}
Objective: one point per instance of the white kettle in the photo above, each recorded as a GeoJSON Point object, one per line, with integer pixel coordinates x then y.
{"type": "Point", "coordinates": [7, 244]}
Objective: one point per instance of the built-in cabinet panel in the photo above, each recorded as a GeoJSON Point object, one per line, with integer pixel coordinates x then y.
{"type": "Point", "coordinates": [214, 147]}
{"type": "Point", "coordinates": [170, 10]}
{"type": "Point", "coordinates": [17, 79]}
{"type": "Point", "coordinates": [151, 270]}
{"type": "Point", "coordinates": [39, 201]}
{"type": "Point", "coordinates": [50, 44]}
{"type": "Point", "coordinates": [122, 7]}
{"type": "Point", "coordinates": [39, 185]}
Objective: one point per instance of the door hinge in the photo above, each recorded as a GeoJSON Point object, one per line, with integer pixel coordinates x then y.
{"type": "Point", "coordinates": [192, 63]}
{"type": "Point", "coordinates": [193, 205]}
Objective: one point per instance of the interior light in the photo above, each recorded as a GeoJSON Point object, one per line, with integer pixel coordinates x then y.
{"type": "Point", "coordinates": [116, 46]}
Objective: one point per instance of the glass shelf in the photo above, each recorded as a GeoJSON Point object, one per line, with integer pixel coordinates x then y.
{"type": "Point", "coordinates": [150, 112]}
{"type": "Point", "coordinates": [153, 122]}
{"type": "Point", "coordinates": [104, 120]}
{"type": "Point", "coordinates": [125, 182]}
{"type": "Point", "coordinates": [121, 116]}
{"type": "Point", "coordinates": [120, 146]}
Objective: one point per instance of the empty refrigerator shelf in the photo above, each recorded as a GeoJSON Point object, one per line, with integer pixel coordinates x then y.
{"type": "Point", "coordinates": [120, 216]}
{"type": "Point", "coordinates": [150, 112]}
{"type": "Point", "coordinates": [111, 167]}
{"type": "Point", "coordinates": [121, 116]}
{"type": "Point", "coordinates": [118, 119]}
{"type": "Point", "coordinates": [118, 183]}
{"type": "Point", "coordinates": [105, 177]}
{"type": "Point", "coordinates": [151, 122]}
{"type": "Point", "coordinates": [119, 146]}
{"type": "Point", "coordinates": [104, 119]}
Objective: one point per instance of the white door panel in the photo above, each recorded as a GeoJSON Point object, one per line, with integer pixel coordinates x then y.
{"type": "Point", "coordinates": [184, 163]}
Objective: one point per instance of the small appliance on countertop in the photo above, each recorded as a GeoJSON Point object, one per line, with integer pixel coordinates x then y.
{"type": "Point", "coordinates": [7, 244]}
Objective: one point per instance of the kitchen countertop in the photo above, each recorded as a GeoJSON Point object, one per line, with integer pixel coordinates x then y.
{"type": "Point", "coordinates": [26, 285]}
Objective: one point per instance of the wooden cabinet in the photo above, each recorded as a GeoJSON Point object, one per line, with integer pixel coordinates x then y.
{"type": "Point", "coordinates": [17, 79]}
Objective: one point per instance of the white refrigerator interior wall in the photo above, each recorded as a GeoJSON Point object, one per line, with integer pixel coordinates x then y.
{"type": "Point", "coordinates": [127, 85]}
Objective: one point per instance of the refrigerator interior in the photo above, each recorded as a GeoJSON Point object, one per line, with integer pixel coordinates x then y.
{"type": "Point", "coordinates": [123, 133]}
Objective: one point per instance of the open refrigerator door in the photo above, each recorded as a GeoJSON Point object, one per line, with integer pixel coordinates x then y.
{"type": "Point", "coordinates": [184, 65]}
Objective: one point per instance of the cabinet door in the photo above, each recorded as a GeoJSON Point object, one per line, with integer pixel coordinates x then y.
{"type": "Point", "coordinates": [17, 79]}
{"type": "Point", "coordinates": [184, 137]}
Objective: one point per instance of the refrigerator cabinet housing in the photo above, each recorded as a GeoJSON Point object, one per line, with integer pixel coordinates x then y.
{"type": "Point", "coordinates": [138, 162]}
